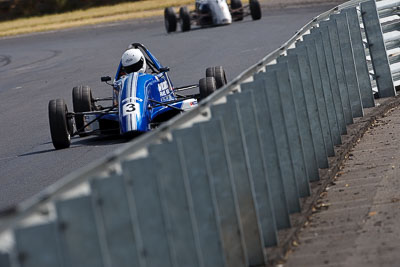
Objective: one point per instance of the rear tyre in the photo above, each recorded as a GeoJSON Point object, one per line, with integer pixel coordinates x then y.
{"type": "Point", "coordinates": [170, 19]}
{"type": "Point", "coordinates": [60, 124]}
{"type": "Point", "coordinates": [184, 19]}
{"type": "Point", "coordinates": [237, 4]}
{"type": "Point", "coordinates": [219, 74]}
{"type": "Point", "coordinates": [83, 102]}
{"type": "Point", "coordinates": [210, 72]}
{"type": "Point", "coordinates": [207, 86]}
{"type": "Point", "coordinates": [255, 9]}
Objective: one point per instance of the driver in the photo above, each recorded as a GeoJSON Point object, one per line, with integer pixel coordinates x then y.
{"type": "Point", "coordinates": [202, 6]}
{"type": "Point", "coordinates": [133, 60]}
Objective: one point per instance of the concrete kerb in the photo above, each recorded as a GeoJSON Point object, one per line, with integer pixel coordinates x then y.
{"type": "Point", "coordinates": [288, 237]}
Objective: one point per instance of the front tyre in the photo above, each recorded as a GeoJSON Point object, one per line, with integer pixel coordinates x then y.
{"type": "Point", "coordinates": [82, 102]}
{"type": "Point", "coordinates": [60, 124]}
{"type": "Point", "coordinates": [238, 7]}
{"type": "Point", "coordinates": [255, 9]}
{"type": "Point", "coordinates": [170, 19]}
{"type": "Point", "coordinates": [219, 74]}
{"type": "Point", "coordinates": [207, 86]}
{"type": "Point", "coordinates": [184, 19]}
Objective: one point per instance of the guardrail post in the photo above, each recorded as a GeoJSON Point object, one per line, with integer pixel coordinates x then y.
{"type": "Point", "coordinates": [340, 71]}
{"type": "Point", "coordinates": [303, 122]}
{"type": "Point", "coordinates": [311, 105]}
{"type": "Point", "coordinates": [319, 94]}
{"type": "Point", "coordinates": [218, 162]}
{"type": "Point", "coordinates": [249, 127]}
{"type": "Point", "coordinates": [292, 127]}
{"type": "Point", "coordinates": [323, 32]}
{"type": "Point", "coordinates": [146, 209]}
{"type": "Point", "coordinates": [376, 45]}
{"type": "Point", "coordinates": [112, 204]}
{"type": "Point", "coordinates": [37, 245]}
{"type": "Point", "coordinates": [348, 63]}
{"type": "Point", "coordinates": [268, 146]}
{"type": "Point", "coordinates": [300, 105]}
{"type": "Point", "coordinates": [79, 235]}
{"type": "Point", "coordinates": [367, 96]}
{"type": "Point", "coordinates": [280, 133]}
{"type": "Point", "coordinates": [177, 204]}
{"type": "Point", "coordinates": [326, 87]}
{"type": "Point", "coordinates": [243, 180]}
{"type": "Point", "coordinates": [5, 260]}
{"type": "Point", "coordinates": [201, 188]}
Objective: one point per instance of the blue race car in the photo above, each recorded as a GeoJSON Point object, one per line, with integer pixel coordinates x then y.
{"type": "Point", "coordinates": [141, 100]}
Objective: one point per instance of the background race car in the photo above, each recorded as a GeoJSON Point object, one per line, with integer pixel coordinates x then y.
{"type": "Point", "coordinates": [139, 102]}
{"type": "Point", "coordinates": [209, 13]}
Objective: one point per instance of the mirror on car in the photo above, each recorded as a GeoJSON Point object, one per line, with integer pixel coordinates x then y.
{"type": "Point", "coordinates": [105, 79]}
{"type": "Point", "coordinates": [165, 69]}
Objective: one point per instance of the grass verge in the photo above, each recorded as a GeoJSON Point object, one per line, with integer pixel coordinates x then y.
{"type": "Point", "coordinates": [119, 12]}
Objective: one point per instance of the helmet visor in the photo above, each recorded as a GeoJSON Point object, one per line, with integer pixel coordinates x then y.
{"type": "Point", "coordinates": [135, 67]}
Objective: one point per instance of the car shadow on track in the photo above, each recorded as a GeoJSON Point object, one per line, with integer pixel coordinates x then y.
{"type": "Point", "coordinates": [107, 140]}
{"type": "Point", "coordinates": [206, 27]}
{"type": "Point", "coordinates": [196, 28]}
{"type": "Point", "coordinates": [35, 153]}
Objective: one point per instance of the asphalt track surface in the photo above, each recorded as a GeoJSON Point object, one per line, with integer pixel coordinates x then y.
{"type": "Point", "coordinates": [37, 68]}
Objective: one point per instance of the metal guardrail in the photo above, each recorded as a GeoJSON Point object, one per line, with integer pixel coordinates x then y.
{"type": "Point", "coordinates": [217, 183]}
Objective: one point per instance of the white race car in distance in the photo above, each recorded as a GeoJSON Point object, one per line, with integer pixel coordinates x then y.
{"type": "Point", "coordinates": [210, 13]}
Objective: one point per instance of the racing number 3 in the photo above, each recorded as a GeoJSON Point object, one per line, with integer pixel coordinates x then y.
{"type": "Point", "coordinates": [130, 107]}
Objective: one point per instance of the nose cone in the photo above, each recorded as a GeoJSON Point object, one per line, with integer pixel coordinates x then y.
{"type": "Point", "coordinates": [132, 108]}
{"type": "Point", "coordinates": [221, 13]}
{"type": "Point", "coordinates": [227, 21]}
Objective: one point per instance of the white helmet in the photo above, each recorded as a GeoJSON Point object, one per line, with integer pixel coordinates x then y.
{"type": "Point", "coordinates": [133, 60]}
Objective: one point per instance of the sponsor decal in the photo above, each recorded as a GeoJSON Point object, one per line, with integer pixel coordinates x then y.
{"type": "Point", "coordinates": [132, 99]}
{"type": "Point", "coordinates": [189, 104]}
{"type": "Point", "coordinates": [163, 89]}
{"type": "Point", "coordinates": [166, 98]}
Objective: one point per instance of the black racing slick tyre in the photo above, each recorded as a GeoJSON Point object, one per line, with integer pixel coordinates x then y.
{"type": "Point", "coordinates": [83, 102]}
{"type": "Point", "coordinates": [219, 74]}
{"type": "Point", "coordinates": [255, 9]}
{"type": "Point", "coordinates": [237, 5]}
{"type": "Point", "coordinates": [170, 19]}
{"type": "Point", "coordinates": [60, 124]}
{"type": "Point", "coordinates": [207, 86]}
{"type": "Point", "coordinates": [184, 19]}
